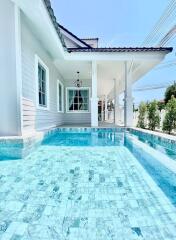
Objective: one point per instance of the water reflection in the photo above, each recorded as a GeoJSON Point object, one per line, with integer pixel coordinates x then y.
{"type": "Point", "coordinates": [85, 139]}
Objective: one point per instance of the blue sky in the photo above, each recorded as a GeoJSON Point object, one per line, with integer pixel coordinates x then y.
{"type": "Point", "coordinates": [118, 23]}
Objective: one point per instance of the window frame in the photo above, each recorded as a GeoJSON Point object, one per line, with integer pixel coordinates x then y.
{"type": "Point", "coordinates": [38, 62]}
{"type": "Point", "coordinates": [67, 101]}
{"type": "Point", "coordinates": [62, 89]}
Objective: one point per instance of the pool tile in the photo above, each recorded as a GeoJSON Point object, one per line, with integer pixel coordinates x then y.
{"type": "Point", "coordinates": [82, 193]}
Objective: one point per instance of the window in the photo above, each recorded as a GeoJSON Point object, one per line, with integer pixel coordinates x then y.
{"type": "Point", "coordinates": [78, 100]}
{"type": "Point", "coordinates": [42, 86]}
{"type": "Point", "coordinates": [42, 80]}
{"type": "Point", "coordinates": [60, 96]}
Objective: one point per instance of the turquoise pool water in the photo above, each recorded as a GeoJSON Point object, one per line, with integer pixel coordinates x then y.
{"type": "Point", "coordinates": [166, 150]}
{"type": "Point", "coordinates": [78, 187]}
{"type": "Point", "coordinates": [82, 139]}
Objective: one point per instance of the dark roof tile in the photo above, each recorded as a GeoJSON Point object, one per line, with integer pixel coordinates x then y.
{"type": "Point", "coordinates": [58, 26]}
{"type": "Point", "coordinates": [95, 38]}
{"type": "Point", "coordinates": [89, 48]}
{"type": "Point", "coordinates": [122, 49]}
{"type": "Point", "coordinates": [54, 21]}
{"type": "Point", "coordinates": [73, 35]}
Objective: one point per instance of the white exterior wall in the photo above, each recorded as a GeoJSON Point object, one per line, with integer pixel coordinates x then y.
{"type": "Point", "coordinates": [37, 118]}
{"type": "Point", "coordinates": [69, 43]}
{"type": "Point", "coordinates": [92, 42]}
{"type": "Point", "coordinates": [77, 118]}
{"type": "Point", "coordinates": [10, 80]}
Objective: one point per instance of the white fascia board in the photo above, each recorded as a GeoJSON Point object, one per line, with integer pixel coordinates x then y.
{"type": "Point", "coordinates": [38, 16]}
{"type": "Point", "coordinates": [115, 56]}
{"type": "Point", "coordinates": [49, 26]}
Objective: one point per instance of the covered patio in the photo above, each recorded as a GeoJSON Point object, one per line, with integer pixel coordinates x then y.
{"type": "Point", "coordinates": [109, 72]}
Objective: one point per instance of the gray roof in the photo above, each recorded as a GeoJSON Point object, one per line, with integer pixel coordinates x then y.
{"type": "Point", "coordinates": [90, 49]}
{"type": "Point", "coordinates": [54, 21]}
{"type": "Point", "coordinates": [58, 26]}
{"type": "Point", "coordinates": [93, 38]}
{"type": "Point", "coordinates": [122, 49]}
{"type": "Point", "coordinates": [73, 35]}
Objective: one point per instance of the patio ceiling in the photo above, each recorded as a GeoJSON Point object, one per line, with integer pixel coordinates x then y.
{"type": "Point", "coordinates": [106, 72]}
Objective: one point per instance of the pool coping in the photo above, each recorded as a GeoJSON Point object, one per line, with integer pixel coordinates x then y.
{"type": "Point", "coordinates": [155, 133]}
{"type": "Point", "coordinates": [160, 157]}
{"type": "Point", "coordinates": [162, 139]}
{"type": "Point", "coordinates": [39, 135]}
{"type": "Point", "coordinates": [23, 138]}
{"type": "Point", "coordinates": [30, 140]}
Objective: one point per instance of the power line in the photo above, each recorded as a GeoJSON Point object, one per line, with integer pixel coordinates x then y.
{"type": "Point", "coordinates": [168, 15]}
{"type": "Point", "coordinates": [170, 35]}
{"type": "Point", "coordinates": [152, 87]}
{"type": "Point", "coordinates": [150, 35]}
{"type": "Point", "coordinates": [162, 21]}
{"type": "Point", "coordinates": [165, 66]}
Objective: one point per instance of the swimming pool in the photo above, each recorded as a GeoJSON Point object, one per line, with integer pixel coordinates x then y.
{"type": "Point", "coordinates": [85, 138]}
{"type": "Point", "coordinates": [87, 184]}
{"type": "Point", "coordinates": [162, 145]}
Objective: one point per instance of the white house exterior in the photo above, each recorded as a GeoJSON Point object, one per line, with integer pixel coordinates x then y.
{"type": "Point", "coordinates": [39, 61]}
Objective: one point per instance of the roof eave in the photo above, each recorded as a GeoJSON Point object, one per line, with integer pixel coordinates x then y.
{"type": "Point", "coordinates": [124, 49]}
{"type": "Point", "coordinates": [54, 21]}
{"type": "Point", "coordinates": [73, 35]}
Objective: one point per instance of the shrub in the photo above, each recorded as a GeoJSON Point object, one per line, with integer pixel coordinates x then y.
{"type": "Point", "coordinates": [169, 122]}
{"type": "Point", "coordinates": [153, 115]}
{"type": "Point", "coordinates": [161, 105]}
{"type": "Point", "coordinates": [170, 91]}
{"type": "Point", "coordinates": [142, 113]}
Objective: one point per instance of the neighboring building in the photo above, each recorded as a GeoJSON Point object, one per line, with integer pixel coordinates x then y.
{"type": "Point", "coordinates": [93, 42]}
{"type": "Point", "coordinates": [39, 61]}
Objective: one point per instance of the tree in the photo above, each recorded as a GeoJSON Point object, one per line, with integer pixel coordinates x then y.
{"type": "Point", "coordinates": [153, 115]}
{"type": "Point", "coordinates": [161, 105]}
{"type": "Point", "coordinates": [169, 122]}
{"type": "Point", "coordinates": [142, 113]}
{"type": "Point", "coordinates": [170, 91]}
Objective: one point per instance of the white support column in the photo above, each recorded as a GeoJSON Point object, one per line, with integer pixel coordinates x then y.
{"type": "Point", "coordinates": [94, 99]}
{"type": "Point", "coordinates": [10, 62]}
{"type": "Point", "coordinates": [116, 104]}
{"type": "Point", "coordinates": [117, 110]}
{"type": "Point", "coordinates": [115, 100]}
{"type": "Point", "coordinates": [18, 68]}
{"type": "Point", "coordinates": [106, 108]}
{"type": "Point", "coordinates": [128, 100]}
{"type": "Point", "coordinates": [102, 110]}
